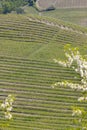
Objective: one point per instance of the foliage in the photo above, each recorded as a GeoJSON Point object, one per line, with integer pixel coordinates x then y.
{"type": "Point", "coordinates": [12, 5]}
{"type": "Point", "coordinates": [19, 11]}
{"type": "Point", "coordinates": [31, 2]}
{"type": "Point", "coordinates": [6, 6]}
{"type": "Point", "coordinates": [79, 64]}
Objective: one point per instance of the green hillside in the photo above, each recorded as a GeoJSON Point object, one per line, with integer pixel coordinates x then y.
{"type": "Point", "coordinates": [73, 15]}
{"type": "Point", "coordinates": [28, 44]}
{"type": "Point", "coordinates": [38, 37]}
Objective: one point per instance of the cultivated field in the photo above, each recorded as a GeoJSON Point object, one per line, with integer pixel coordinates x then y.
{"type": "Point", "coordinates": [62, 4]}
{"type": "Point", "coordinates": [28, 45]}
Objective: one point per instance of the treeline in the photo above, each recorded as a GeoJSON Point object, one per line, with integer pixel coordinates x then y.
{"type": "Point", "coordinates": [6, 6]}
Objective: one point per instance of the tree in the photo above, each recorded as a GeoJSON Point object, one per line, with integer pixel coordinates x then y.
{"type": "Point", "coordinates": [7, 7]}
{"type": "Point", "coordinates": [31, 2]}
{"type": "Point", "coordinates": [79, 64]}
{"type": "Point", "coordinates": [12, 5]}
{"type": "Point", "coordinates": [6, 108]}
{"type": "Point", "coordinates": [20, 11]}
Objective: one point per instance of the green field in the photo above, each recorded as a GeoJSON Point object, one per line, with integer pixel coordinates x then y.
{"type": "Point", "coordinates": [28, 44]}
{"type": "Point", "coordinates": [73, 15]}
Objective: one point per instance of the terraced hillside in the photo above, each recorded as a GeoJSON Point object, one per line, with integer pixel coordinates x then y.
{"type": "Point", "coordinates": [28, 45]}
{"type": "Point", "coordinates": [37, 105]}
{"type": "Point", "coordinates": [30, 37]}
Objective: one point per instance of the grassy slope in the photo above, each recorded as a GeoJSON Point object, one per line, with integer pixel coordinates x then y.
{"type": "Point", "coordinates": [77, 16]}
{"type": "Point", "coordinates": [23, 38]}
{"type": "Point", "coordinates": [67, 10]}
{"type": "Point", "coordinates": [27, 49]}
{"type": "Point", "coordinates": [30, 10]}
{"type": "Point", "coordinates": [73, 15]}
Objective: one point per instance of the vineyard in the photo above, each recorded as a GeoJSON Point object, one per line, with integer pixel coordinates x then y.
{"type": "Point", "coordinates": [62, 4]}
{"type": "Point", "coordinates": [28, 45]}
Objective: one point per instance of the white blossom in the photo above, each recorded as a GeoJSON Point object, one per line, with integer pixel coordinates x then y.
{"type": "Point", "coordinates": [3, 106]}
{"type": "Point", "coordinates": [86, 98]}
{"type": "Point", "coordinates": [8, 115]}
{"type": "Point", "coordinates": [77, 112]}
{"type": "Point", "coordinates": [55, 60]}
{"type": "Point", "coordinates": [62, 63]}
{"type": "Point", "coordinates": [79, 65]}
{"type": "Point", "coordinates": [81, 99]}
{"type": "Point", "coordinates": [9, 108]}
{"type": "Point", "coordinates": [6, 106]}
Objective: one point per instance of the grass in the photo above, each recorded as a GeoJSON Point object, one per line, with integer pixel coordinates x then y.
{"type": "Point", "coordinates": [30, 10]}
{"type": "Point", "coordinates": [73, 15]}
{"type": "Point", "coordinates": [27, 49]}
{"type": "Point", "coordinates": [20, 49]}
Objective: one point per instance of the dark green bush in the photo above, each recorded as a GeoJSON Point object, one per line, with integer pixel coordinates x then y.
{"type": "Point", "coordinates": [19, 11]}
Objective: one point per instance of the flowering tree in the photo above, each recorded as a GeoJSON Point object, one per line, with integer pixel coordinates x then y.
{"type": "Point", "coordinates": [6, 108]}
{"type": "Point", "coordinates": [79, 64]}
